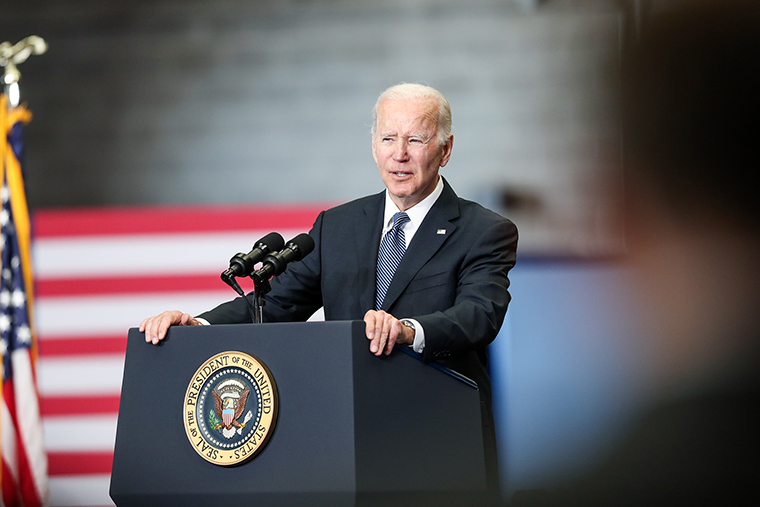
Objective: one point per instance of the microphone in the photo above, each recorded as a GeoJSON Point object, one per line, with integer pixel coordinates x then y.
{"type": "Point", "coordinates": [242, 264]}
{"type": "Point", "coordinates": [275, 263]}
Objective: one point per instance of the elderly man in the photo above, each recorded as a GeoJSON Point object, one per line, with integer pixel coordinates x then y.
{"type": "Point", "coordinates": [448, 295]}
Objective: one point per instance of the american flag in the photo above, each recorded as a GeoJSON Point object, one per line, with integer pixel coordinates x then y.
{"type": "Point", "coordinates": [99, 273]}
{"type": "Point", "coordinates": [24, 466]}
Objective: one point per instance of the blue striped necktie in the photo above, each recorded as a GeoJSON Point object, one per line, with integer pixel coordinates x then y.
{"type": "Point", "coordinates": [392, 249]}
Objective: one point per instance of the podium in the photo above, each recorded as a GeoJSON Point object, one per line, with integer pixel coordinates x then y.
{"type": "Point", "coordinates": [352, 429]}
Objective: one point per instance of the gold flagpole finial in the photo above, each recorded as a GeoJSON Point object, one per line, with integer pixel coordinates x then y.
{"type": "Point", "coordinates": [13, 54]}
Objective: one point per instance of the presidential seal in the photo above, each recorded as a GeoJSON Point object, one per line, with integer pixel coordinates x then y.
{"type": "Point", "coordinates": [230, 408]}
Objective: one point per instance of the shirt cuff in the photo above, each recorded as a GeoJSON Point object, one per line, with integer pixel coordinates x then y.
{"type": "Point", "coordinates": [419, 336]}
{"type": "Point", "coordinates": [203, 321]}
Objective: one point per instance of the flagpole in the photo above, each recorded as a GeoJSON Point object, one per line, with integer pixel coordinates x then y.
{"type": "Point", "coordinates": [3, 142]}
{"type": "Point", "coordinates": [26, 475]}
{"type": "Point", "coordinates": [11, 55]}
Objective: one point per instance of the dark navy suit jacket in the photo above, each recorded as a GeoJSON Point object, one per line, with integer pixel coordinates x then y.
{"type": "Point", "coordinates": [452, 278]}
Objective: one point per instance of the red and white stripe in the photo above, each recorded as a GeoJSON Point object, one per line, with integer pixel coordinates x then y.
{"type": "Point", "coordinates": [100, 272]}
{"type": "Point", "coordinates": [23, 453]}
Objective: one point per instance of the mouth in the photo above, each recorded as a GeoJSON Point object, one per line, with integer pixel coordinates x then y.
{"type": "Point", "coordinates": [401, 174]}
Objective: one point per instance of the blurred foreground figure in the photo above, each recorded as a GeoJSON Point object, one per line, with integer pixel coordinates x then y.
{"type": "Point", "coordinates": [691, 91]}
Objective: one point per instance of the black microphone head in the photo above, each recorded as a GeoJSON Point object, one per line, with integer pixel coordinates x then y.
{"type": "Point", "coordinates": [240, 265]}
{"type": "Point", "coordinates": [273, 241]}
{"type": "Point", "coordinates": [302, 245]}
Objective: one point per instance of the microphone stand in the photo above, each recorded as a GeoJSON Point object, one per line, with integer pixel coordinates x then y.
{"type": "Point", "coordinates": [260, 288]}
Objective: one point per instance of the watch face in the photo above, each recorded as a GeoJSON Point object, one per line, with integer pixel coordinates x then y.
{"type": "Point", "coordinates": [407, 323]}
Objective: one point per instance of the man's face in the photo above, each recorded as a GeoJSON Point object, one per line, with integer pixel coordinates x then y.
{"type": "Point", "coordinates": [406, 149]}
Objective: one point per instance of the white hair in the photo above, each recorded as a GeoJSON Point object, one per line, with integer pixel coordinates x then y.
{"type": "Point", "coordinates": [414, 91]}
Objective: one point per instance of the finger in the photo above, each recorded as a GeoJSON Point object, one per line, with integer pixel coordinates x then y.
{"type": "Point", "coordinates": [369, 321]}
{"type": "Point", "coordinates": [167, 320]}
{"type": "Point", "coordinates": [151, 329]}
{"type": "Point", "coordinates": [381, 333]}
{"type": "Point", "coordinates": [156, 327]}
{"type": "Point", "coordinates": [393, 336]}
{"type": "Point", "coordinates": [381, 338]}
{"type": "Point", "coordinates": [145, 328]}
{"type": "Point", "coordinates": [374, 328]}
{"type": "Point", "coordinates": [188, 320]}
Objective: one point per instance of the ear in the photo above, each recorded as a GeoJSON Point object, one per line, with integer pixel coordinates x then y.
{"type": "Point", "coordinates": [447, 150]}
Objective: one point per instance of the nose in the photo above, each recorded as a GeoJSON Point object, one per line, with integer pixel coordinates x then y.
{"type": "Point", "coordinates": [400, 151]}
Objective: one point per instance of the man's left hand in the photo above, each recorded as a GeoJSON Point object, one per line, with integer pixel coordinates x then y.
{"type": "Point", "coordinates": [384, 330]}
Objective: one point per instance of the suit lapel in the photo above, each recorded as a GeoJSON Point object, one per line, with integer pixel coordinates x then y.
{"type": "Point", "coordinates": [426, 242]}
{"type": "Point", "coordinates": [367, 230]}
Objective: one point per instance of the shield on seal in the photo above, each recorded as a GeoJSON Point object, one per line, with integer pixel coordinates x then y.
{"type": "Point", "coordinates": [228, 413]}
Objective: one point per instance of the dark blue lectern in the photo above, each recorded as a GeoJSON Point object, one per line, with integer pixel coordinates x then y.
{"type": "Point", "coordinates": [352, 429]}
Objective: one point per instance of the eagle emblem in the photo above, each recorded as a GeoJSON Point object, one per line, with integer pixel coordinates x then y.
{"type": "Point", "coordinates": [230, 408]}
{"type": "Point", "coordinates": [230, 398]}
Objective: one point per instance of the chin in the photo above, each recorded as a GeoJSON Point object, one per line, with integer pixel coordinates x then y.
{"type": "Point", "coordinates": [402, 189]}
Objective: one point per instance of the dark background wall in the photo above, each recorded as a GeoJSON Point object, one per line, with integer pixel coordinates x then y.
{"type": "Point", "coordinates": [236, 101]}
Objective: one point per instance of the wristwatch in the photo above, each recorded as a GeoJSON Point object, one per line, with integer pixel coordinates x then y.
{"type": "Point", "coordinates": [408, 323]}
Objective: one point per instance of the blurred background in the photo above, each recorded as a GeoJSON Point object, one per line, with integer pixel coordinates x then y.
{"type": "Point", "coordinates": [137, 102]}
{"type": "Point", "coordinates": [150, 115]}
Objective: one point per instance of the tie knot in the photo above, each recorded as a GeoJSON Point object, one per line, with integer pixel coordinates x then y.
{"type": "Point", "coordinates": [400, 219]}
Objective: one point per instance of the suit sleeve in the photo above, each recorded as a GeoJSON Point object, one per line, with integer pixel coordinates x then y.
{"type": "Point", "coordinates": [481, 299]}
{"type": "Point", "coordinates": [297, 293]}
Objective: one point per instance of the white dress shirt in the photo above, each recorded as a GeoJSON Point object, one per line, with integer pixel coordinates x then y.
{"type": "Point", "coordinates": [417, 214]}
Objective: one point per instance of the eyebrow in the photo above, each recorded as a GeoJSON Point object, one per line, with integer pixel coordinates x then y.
{"type": "Point", "coordinates": [417, 135]}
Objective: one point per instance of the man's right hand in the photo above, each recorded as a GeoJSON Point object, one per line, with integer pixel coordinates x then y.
{"type": "Point", "coordinates": [155, 328]}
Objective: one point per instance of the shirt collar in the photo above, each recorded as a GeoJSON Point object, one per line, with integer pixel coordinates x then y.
{"type": "Point", "coordinates": [417, 213]}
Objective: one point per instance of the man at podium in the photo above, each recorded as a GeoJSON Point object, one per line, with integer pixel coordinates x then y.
{"type": "Point", "coordinates": [421, 266]}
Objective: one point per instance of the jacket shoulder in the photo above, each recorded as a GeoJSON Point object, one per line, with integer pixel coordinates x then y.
{"type": "Point", "coordinates": [470, 210]}
{"type": "Point", "coordinates": [351, 208]}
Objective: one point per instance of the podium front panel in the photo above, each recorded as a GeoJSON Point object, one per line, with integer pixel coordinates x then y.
{"type": "Point", "coordinates": [310, 454]}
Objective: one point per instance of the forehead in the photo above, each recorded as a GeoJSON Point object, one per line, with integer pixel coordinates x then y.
{"type": "Point", "coordinates": [407, 116]}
